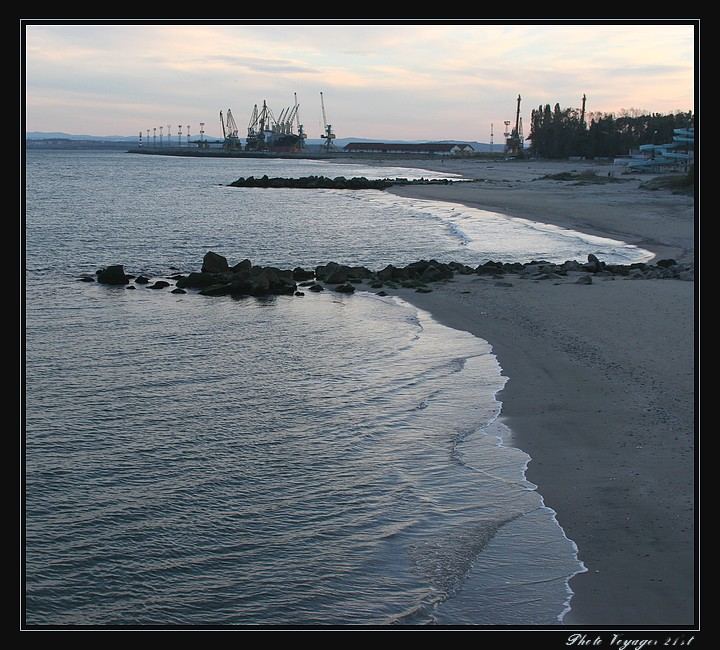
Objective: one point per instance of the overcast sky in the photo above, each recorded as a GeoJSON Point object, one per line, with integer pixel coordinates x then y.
{"type": "Point", "coordinates": [379, 81]}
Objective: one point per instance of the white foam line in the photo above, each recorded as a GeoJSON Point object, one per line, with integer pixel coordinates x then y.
{"type": "Point", "coordinates": [452, 213]}
{"type": "Point", "coordinates": [422, 314]}
{"type": "Point", "coordinates": [574, 546]}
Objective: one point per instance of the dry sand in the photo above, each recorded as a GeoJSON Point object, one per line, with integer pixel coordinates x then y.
{"type": "Point", "coordinates": [601, 384]}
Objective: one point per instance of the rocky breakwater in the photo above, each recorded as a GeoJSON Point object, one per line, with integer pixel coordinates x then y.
{"type": "Point", "coordinates": [218, 278]}
{"type": "Point", "coordinates": [337, 183]}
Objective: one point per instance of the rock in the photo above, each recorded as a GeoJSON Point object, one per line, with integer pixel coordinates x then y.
{"type": "Point", "coordinates": [241, 267]}
{"type": "Point", "coordinates": [309, 283]}
{"type": "Point", "coordinates": [300, 273]}
{"type": "Point", "coordinates": [423, 290]}
{"type": "Point", "coordinates": [322, 272]}
{"type": "Point", "coordinates": [512, 267]}
{"type": "Point", "coordinates": [176, 290]}
{"type": "Point", "coordinates": [584, 279]}
{"type": "Point", "coordinates": [314, 182]}
{"type": "Point", "coordinates": [334, 273]}
{"type": "Point", "coordinates": [381, 293]}
{"type": "Point", "coordinates": [359, 272]}
{"type": "Point", "coordinates": [214, 263]}
{"type": "Point", "coordinates": [317, 288]}
{"type": "Point", "coordinates": [435, 273]}
{"type": "Point", "coordinates": [345, 288]}
{"type": "Point", "coordinates": [462, 269]}
{"type": "Point", "coordinates": [130, 286]}
{"type": "Point", "coordinates": [241, 285]}
{"type": "Point", "coordinates": [160, 284]}
{"type": "Point", "coordinates": [176, 276]}
{"type": "Point", "coordinates": [387, 273]}
{"type": "Point", "coordinates": [571, 265]}
{"type": "Point", "coordinates": [503, 284]}
{"type": "Point", "coordinates": [141, 279]}
{"type": "Point", "coordinates": [490, 268]}
{"type": "Point", "coordinates": [197, 281]}
{"type": "Point", "coordinates": [376, 285]}
{"type": "Point", "coordinates": [617, 269]}
{"type": "Point", "coordinates": [260, 284]}
{"type": "Point", "coordinates": [112, 275]}
{"type": "Point", "coordinates": [417, 268]}
{"type": "Point", "coordinates": [299, 294]}
{"type": "Point", "coordinates": [271, 281]}
{"type": "Point", "coordinates": [336, 276]}
{"type": "Point", "coordinates": [666, 263]}
{"type": "Point", "coordinates": [86, 278]}
{"type": "Point", "coordinates": [216, 290]}
{"type": "Point", "coordinates": [594, 264]}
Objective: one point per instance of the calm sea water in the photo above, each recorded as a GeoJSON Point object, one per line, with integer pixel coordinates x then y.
{"type": "Point", "coordinates": [289, 461]}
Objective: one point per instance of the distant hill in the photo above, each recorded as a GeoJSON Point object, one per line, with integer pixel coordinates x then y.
{"type": "Point", "coordinates": [56, 135]}
{"type": "Point", "coordinates": [59, 140]}
{"type": "Point", "coordinates": [339, 142]}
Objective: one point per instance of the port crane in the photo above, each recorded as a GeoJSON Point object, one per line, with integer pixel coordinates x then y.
{"type": "Point", "coordinates": [514, 140]}
{"type": "Point", "coordinates": [267, 132]}
{"type": "Point", "coordinates": [230, 131]}
{"type": "Point", "coordinates": [301, 132]}
{"type": "Point", "coordinates": [328, 136]}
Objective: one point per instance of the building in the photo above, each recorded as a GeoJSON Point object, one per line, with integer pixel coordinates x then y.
{"type": "Point", "coordinates": [436, 148]}
{"type": "Point", "coordinates": [677, 155]}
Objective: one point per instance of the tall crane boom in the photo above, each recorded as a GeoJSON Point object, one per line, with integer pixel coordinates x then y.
{"type": "Point", "coordinates": [322, 104]}
{"type": "Point", "coordinates": [231, 126]}
{"type": "Point", "coordinates": [328, 136]}
{"type": "Point", "coordinates": [222, 124]}
{"type": "Point", "coordinates": [301, 133]}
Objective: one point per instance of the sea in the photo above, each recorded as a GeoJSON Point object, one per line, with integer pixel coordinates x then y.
{"type": "Point", "coordinates": [325, 460]}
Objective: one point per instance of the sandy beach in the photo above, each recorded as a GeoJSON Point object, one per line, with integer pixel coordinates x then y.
{"type": "Point", "coordinates": [601, 383]}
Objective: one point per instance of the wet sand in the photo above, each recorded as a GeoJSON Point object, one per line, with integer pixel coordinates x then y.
{"type": "Point", "coordinates": [601, 389]}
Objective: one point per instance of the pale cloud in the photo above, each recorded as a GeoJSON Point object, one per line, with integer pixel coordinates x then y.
{"type": "Point", "coordinates": [414, 81]}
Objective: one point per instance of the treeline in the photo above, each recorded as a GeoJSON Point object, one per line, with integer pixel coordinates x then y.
{"type": "Point", "coordinates": [559, 133]}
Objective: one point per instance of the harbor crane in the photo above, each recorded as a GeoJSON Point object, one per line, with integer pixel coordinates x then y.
{"type": "Point", "coordinates": [328, 136]}
{"type": "Point", "coordinates": [301, 132]}
{"type": "Point", "coordinates": [269, 133]}
{"type": "Point", "coordinates": [230, 131]}
{"type": "Point", "coordinates": [514, 139]}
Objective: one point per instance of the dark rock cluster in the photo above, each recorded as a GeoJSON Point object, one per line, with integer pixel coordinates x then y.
{"type": "Point", "coordinates": [337, 183]}
{"type": "Point", "coordinates": [218, 278]}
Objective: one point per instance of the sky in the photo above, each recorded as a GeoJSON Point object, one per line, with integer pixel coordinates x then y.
{"type": "Point", "coordinates": [415, 82]}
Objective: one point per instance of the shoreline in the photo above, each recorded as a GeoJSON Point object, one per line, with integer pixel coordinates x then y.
{"type": "Point", "coordinates": [655, 220]}
{"type": "Point", "coordinates": [600, 391]}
